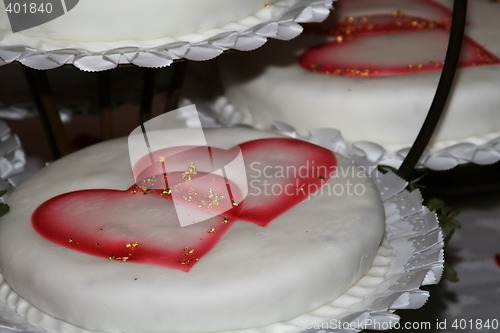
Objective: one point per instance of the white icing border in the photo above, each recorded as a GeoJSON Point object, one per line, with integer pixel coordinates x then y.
{"type": "Point", "coordinates": [237, 36]}
{"type": "Point", "coordinates": [443, 155]}
{"type": "Point", "coordinates": [12, 160]}
{"type": "Point", "coordinates": [410, 256]}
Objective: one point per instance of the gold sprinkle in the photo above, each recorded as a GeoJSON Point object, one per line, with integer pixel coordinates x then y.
{"type": "Point", "coordinates": [186, 175]}
{"type": "Point", "coordinates": [70, 240]}
{"type": "Point", "coordinates": [215, 199]}
{"type": "Point", "coordinates": [322, 178]}
{"type": "Point", "coordinates": [187, 251]}
{"type": "Point", "coordinates": [396, 13]}
{"type": "Point", "coordinates": [132, 246]}
{"type": "Point", "coordinates": [162, 159]}
{"type": "Point", "coordinates": [226, 220]}
{"type": "Point", "coordinates": [119, 258]}
{"type": "Point", "coordinates": [315, 66]}
{"type": "Point", "coordinates": [211, 231]}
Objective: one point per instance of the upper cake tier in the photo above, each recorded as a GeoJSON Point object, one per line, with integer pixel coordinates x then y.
{"type": "Point", "coordinates": [97, 35]}
{"type": "Point", "coordinates": [371, 71]}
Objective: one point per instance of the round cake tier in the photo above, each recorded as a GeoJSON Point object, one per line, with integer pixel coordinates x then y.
{"type": "Point", "coordinates": [94, 36]}
{"type": "Point", "coordinates": [370, 73]}
{"type": "Point", "coordinates": [382, 288]}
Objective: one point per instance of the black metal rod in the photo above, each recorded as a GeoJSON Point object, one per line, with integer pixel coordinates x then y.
{"type": "Point", "coordinates": [105, 104]}
{"type": "Point", "coordinates": [442, 92]}
{"type": "Point", "coordinates": [48, 110]}
{"type": "Point", "coordinates": [147, 94]}
{"type": "Point", "coordinates": [175, 87]}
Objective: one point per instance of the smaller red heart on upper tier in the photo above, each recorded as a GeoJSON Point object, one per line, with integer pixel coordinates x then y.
{"type": "Point", "coordinates": [387, 45]}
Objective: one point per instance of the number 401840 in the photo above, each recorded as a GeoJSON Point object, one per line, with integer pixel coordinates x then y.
{"type": "Point", "coordinates": [29, 8]}
{"type": "Point", "coordinates": [475, 324]}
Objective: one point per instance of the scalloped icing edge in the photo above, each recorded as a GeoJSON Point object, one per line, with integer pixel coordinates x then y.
{"type": "Point", "coordinates": [411, 255]}
{"type": "Point", "coordinates": [443, 155]}
{"type": "Point", "coordinates": [12, 160]}
{"type": "Point", "coordinates": [199, 47]}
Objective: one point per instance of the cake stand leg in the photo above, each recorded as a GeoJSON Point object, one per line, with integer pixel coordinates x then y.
{"type": "Point", "coordinates": [174, 90]}
{"type": "Point", "coordinates": [147, 94]}
{"type": "Point", "coordinates": [48, 110]}
{"type": "Point", "coordinates": [442, 92]}
{"type": "Point", "coordinates": [106, 110]}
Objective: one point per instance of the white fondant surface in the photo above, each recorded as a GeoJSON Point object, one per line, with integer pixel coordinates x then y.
{"type": "Point", "coordinates": [254, 277]}
{"type": "Point", "coordinates": [95, 25]}
{"type": "Point", "coordinates": [269, 85]}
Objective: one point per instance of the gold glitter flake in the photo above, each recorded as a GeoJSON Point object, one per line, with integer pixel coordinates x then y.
{"type": "Point", "coordinates": [188, 254]}
{"type": "Point", "coordinates": [214, 199]}
{"type": "Point", "coordinates": [212, 231]}
{"type": "Point", "coordinates": [226, 220]}
{"type": "Point", "coordinates": [186, 175]}
{"type": "Point", "coordinates": [190, 196]}
{"type": "Point", "coordinates": [119, 258]}
{"type": "Point", "coordinates": [122, 258]}
{"type": "Point", "coordinates": [188, 261]}
{"type": "Point", "coordinates": [132, 246]}
{"type": "Point", "coordinates": [187, 251]}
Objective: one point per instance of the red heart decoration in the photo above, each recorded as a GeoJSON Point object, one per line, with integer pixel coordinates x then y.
{"type": "Point", "coordinates": [140, 225]}
{"type": "Point", "coordinates": [390, 44]}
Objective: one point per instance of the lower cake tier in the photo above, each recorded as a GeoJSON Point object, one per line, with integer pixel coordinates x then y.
{"type": "Point", "coordinates": [256, 275]}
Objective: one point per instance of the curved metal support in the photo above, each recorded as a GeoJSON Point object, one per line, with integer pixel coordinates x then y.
{"type": "Point", "coordinates": [442, 91]}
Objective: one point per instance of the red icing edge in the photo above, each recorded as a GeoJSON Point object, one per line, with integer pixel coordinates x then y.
{"type": "Point", "coordinates": [79, 228]}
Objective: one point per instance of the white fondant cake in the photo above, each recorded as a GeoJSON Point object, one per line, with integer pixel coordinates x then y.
{"type": "Point", "coordinates": [382, 64]}
{"type": "Point", "coordinates": [148, 33]}
{"type": "Point", "coordinates": [253, 277]}
{"type": "Point", "coordinates": [97, 26]}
